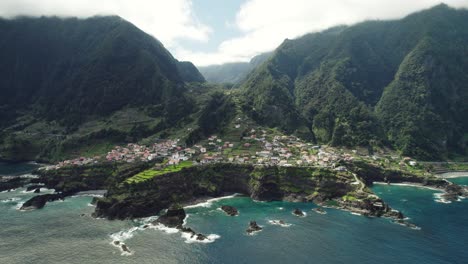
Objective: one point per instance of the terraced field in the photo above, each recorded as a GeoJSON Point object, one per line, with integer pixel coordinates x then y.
{"type": "Point", "coordinates": [151, 173]}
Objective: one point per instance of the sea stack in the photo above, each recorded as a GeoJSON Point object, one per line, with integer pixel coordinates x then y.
{"type": "Point", "coordinates": [230, 210]}
{"type": "Point", "coordinates": [174, 217]}
{"type": "Point", "coordinates": [253, 227]}
{"type": "Point", "coordinates": [298, 212]}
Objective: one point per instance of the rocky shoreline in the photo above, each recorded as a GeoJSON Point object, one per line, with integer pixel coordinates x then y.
{"type": "Point", "coordinates": [344, 190]}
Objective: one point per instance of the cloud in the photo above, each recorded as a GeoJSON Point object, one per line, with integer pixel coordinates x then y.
{"type": "Point", "coordinates": [262, 24]}
{"type": "Point", "coordinates": [169, 21]}
{"type": "Point", "coordinates": [265, 23]}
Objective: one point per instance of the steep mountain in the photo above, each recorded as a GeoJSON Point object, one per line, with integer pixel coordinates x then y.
{"type": "Point", "coordinates": [189, 72]}
{"type": "Point", "coordinates": [73, 80]}
{"type": "Point", "coordinates": [232, 73]}
{"type": "Point", "coordinates": [77, 67]}
{"type": "Point", "coordinates": [402, 82]}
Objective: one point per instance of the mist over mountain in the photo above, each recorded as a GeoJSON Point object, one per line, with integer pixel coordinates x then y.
{"type": "Point", "coordinates": [234, 72]}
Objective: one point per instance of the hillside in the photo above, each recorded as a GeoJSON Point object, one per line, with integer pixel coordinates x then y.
{"type": "Point", "coordinates": [400, 82]}
{"type": "Point", "coordinates": [232, 73]}
{"type": "Point", "coordinates": [70, 82]}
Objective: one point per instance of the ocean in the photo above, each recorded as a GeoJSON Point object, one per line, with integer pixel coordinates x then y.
{"type": "Point", "coordinates": [64, 232]}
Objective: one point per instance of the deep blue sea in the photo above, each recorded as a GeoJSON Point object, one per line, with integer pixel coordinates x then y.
{"type": "Point", "coordinates": [58, 234]}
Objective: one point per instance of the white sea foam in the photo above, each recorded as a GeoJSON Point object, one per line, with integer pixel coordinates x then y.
{"type": "Point", "coordinates": [42, 190]}
{"type": "Point", "coordinates": [189, 239]}
{"type": "Point", "coordinates": [124, 235]}
{"type": "Point", "coordinates": [87, 195]}
{"type": "Point", "coordinates": [121, 237]}
{"type": "Point", "coordinates": [353, 213]}
{"type": "Point", "coordinates": [277, 222]}
{"type": "Point", "coordinates": [255, 232]}
{"type": "Point", "coordinates": [185, 219]}
{"type": "Point", "coordinates": [11, 190]}
{"type": "Point", "coordinates": [165, 229]}
{"type": "Point", "coordinates": [19, 205]}
{"type": "Point", "coordinates": [11, 200]}
{"type": "Point", "coordinates": [280, 208]}
{"type": "Point", "coordinates": [208, 203]}
{"type": "Point", "coordinates": [440, 199]}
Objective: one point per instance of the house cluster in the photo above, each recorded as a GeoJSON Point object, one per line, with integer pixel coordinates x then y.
{"type": "Point", "coordinates": [261, 148]}
{"type": "Point", "coordinates": [73, 162]}
{"type": "Point", "coordinates": [258, 147]}
{"type": "Point", "coordinates": [168, 149]}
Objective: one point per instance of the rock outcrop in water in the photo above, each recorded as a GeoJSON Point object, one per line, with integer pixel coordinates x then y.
{"type": "Point", "coordinates": [174, 217]}
{"type": "Point", "coordinates": [260, 183]}
{"type": "Point", "coordinates": [230, 210]}
{"type": "Point", "coordinates": [39, 201]}
{"type": "Point", "coordinates": [253, 227]}
{"type": "Point", "coordinates": [322, 186]}
{"type": "Point", "coordinates": [298, 212]}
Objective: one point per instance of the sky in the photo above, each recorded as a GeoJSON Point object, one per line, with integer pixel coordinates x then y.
{"type": "Point", "coordinates": [210, 32]}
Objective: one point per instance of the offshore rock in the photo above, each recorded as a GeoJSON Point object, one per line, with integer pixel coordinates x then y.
{"type": "Point", "coordinates": [230, 210]}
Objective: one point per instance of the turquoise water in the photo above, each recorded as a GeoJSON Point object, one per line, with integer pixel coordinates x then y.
{"type": "Point", "coordinates": [58, 234]}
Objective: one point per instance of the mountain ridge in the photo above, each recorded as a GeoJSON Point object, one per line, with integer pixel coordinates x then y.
{"type": "Point", "coordinates": [334, 79]}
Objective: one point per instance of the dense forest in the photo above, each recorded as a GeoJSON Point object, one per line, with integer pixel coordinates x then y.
{"type": "Point", "coordinates": [74, 87]}
{"type": "Point", "coordinates": [68, 83]}
{"type": "Point", "coordinates": [400, 82]}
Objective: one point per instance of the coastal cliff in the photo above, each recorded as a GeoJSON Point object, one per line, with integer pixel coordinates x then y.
{"type": "Point", "coordinates": [306, 184]}
{"type": "Point", "coordinates": [345, 187]}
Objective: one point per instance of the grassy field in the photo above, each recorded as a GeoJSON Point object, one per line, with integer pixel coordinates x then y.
{"type": "Point", "coordinates": [151, 173]}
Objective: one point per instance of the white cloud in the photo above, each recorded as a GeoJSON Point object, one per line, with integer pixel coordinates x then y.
{"type": "Point", "coordinates": [169, 21]}
{"type": "Point", "coordinates": [265, 23]}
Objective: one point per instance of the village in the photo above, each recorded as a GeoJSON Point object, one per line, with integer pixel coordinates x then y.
{"type": "Point", "coordinates": [256, 147]}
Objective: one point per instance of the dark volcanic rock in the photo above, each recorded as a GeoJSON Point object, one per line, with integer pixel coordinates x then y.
{"type": "Point", "coordinates": [298, 212]}
{"type": "Point", "coordinates": [253, 227]}
{"type": "Point", "coordinates": [187, 230]}
{"type": "Point", "coordinates": [174, 217]}
{"type": "Point", "coordinates": [39, 201]}
{"type": "Point", "coordinates": [192, 233]}
{"type": "Point", "coordinates": [201, 237]}
{"type": "Point", "coordinates": [13, 183]}
{"type": "Point", "coordinates": [454, 191]}
{"type": "Point", "coordinates": [38, 190]}
{"type": "Point", "coordinates": [125, 248]}
{"type": "Point", "coordinates": [230, 210]}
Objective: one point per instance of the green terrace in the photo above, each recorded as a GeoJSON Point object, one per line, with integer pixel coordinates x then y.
{"type": "Point", "coordinates": [151, 173]}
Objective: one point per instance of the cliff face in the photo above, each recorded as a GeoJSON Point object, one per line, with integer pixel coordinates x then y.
{"type": "Point", "coordinates": [370, 174]}
{"type": "Point", "coordinates": [347, 190]}
{"type": "Point", "coordinates": [261, 183]}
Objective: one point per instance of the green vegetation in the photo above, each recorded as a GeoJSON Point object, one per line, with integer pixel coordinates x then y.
{"type": "Point", "coordinates": [349, 197]}
{"type": "Point", "coordinates": [78, 82]}
{"type": "Point", "coordinates": [400, 82]}
{"type": "Point", "coordinates": [151, 173]}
